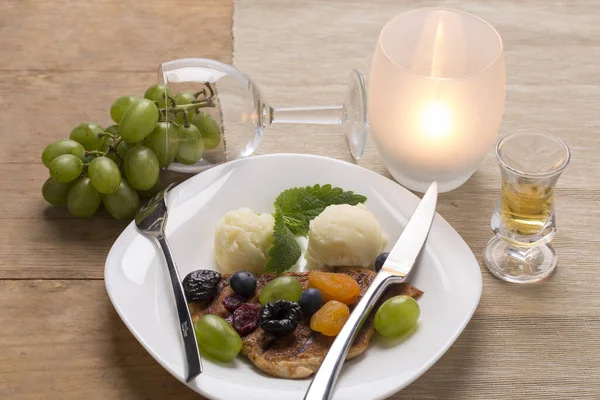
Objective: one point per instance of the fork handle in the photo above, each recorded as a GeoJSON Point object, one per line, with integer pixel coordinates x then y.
{"type": "Point", "coordinates": [192, 352]}
{"type": "Point", "coordinates": [322, 385]}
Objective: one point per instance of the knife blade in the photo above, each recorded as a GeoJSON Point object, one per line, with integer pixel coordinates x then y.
{"type": "Point", "coordinates": [408, 247]}
{"type": "Point", "coordinates": [396, 268]}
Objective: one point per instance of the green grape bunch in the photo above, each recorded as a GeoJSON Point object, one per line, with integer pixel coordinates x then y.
{"type": "Point", "coordinates": [118, 165]}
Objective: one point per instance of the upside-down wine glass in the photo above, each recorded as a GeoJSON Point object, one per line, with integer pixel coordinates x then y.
{"type": "Point", "coordinates": [242, 113]}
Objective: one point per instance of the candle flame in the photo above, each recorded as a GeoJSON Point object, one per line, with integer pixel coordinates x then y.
{"type": "Point", "coordinates": [436, 120]}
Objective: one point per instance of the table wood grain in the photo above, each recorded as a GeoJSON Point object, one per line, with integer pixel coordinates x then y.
{"type": "Point", "coordinates": [534, 342]}
{"type": "Point", "coordinates": [64, 61]}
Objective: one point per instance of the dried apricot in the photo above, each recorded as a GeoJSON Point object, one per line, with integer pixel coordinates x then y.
{"type": "Point", "coordinates": [340, 287]}
{"type": "Point", "coordinates": [330, 318]}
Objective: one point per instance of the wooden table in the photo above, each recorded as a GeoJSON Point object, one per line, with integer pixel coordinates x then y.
{"type": "Point", "coordinates": [65, 61]}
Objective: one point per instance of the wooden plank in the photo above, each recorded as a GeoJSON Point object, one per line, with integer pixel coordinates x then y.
{"type": "Point", "coordinates": [36, 236]}
{"type": "Point", "coordinates": [111, 35]}
{"type": "Point", "coordinates": [527, 329]}
{"type": "Point", "coordinates": [62, 339]}
{"type": "Point", "coordinates": [45, 242]}
{"type": "Point", "coordinates": [45, 93]}
{"type": "Point", "coordinates": [65, 61]}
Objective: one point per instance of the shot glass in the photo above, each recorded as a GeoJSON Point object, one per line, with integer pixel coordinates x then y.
{"type": "Point", "coordinates": [523, 221]}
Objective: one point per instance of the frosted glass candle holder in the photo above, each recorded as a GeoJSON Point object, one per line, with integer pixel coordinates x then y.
{"type": "Point", "coordinates": [436, 96]}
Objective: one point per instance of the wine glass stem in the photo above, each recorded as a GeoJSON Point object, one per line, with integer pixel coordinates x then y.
{"type": "Point", "coordinates": [329, 115]}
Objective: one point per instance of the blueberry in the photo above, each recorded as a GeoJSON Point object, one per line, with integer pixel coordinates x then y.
{"type": "Point", "coordinates": [243, 283]}
{"type": "Point", "coordinates": [380, 261]}
{"type": "Point", "coordinates": [310, 301]}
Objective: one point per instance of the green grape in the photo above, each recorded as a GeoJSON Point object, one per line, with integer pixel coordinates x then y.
{"type": "Point", "coordinates": [55, 192]}
{"type": "Point", "coordinates": [216, 338]}
{"type": "Point", "coordinates": [66, 168]}
{"type": "Point", "coordinates": [122, 148]}
{"type": "Point", "coordinates": [83, 200]}
{"type": "Point", "coordinates": [397, 316]}
{"type": "Point", "coordinates": [61, 147]}
{"type": "Point", "coordinates": [163, 142]}
{"type": "Point", "coordinates": [191, 145]}
{"type": "Point", "coordinates": [141, 167]}
{"type": "Point", "coordinates": [119, 106]}
{"type": "Point", "coordinates": [138, 121]}
{"type": "Point", "coordinates": [87, 135]}
{"type": "Point", "coordinates": [104, 174]}
{"type": "Point", "coordinates": [282, 288]}
{"type": "Point", "coordinates": [114, 129]}
{"type": "Point", "coordinates": [157, 93]}
{"type": "Point", "coordinates": [122, 204]}
{"type": "Point", "coordinates": [182, 99]}
{"type": "Point", "coordinates": [209, 129]}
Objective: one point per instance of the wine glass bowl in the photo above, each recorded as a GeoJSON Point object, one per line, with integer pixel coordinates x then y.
{"type": "Point", "coordinates": [237, 107]}
{"type": "Point", "coordinates": [242, 113]}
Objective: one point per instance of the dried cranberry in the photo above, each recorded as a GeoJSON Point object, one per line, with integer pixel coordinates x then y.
{"type": "Point", "coordinates": [229, 319]}
{"type": "Point", "coordinates": [245, 318]}
{"type": "Point", "coordinates": [232, 302]}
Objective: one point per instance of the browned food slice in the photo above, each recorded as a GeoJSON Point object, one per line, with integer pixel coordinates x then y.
{"type": "Point", "coordinates": [300, 353]}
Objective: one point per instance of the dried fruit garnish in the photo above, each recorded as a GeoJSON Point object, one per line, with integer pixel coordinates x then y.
{"type": "Point", "coordinates": [335, 286]}
{"type": "Point", "coordinates": [233, 301]}
{"type": "Point", "coordinates": [245, 318]}
{"type": "Point", "coordinates": [330, 319]}
{"type": "Point", "coordinates": [201, 284]}
{"type": "Point", "coordinates": [280, 317]}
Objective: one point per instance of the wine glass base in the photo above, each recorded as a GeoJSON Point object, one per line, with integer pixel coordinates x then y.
{"type": "Point", "coordinates": [355, 115]}
{"type": "Point", "coordinates": [519, 266]}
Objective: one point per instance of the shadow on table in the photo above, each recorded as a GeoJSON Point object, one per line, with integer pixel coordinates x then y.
{"type": "Point", "coordinates": [87, 240]}
{"type": "Point", "coordinates": [140, 376]}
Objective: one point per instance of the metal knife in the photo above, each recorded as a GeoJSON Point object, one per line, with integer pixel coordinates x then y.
{"type": "Point", "coordinates": [395, 270]}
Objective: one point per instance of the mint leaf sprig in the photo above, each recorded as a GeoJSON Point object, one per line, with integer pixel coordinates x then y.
{"type": "Point", "coordinates": [285, 251]}
{"type": "Point", "coordinates": [300, 205]}
{"type": "Point", "coordinates": [294, 209]}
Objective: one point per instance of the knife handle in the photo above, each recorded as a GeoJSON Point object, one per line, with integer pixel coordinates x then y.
{"type": "Point", "coordinates": [321, 387]}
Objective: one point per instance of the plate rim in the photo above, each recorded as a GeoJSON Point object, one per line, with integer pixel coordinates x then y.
{"type": "Point", "coordinates": [131, 231]}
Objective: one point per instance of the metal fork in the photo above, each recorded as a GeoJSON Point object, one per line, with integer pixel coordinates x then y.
{"type": "Point", "coordinates": [150, 221]}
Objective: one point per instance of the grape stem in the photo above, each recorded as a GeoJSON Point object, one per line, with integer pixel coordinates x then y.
{"type": "Point", "coordinates": [186, 119]}
{"type": "Point", "coordinates": [111, 148]}
{"type": "Point", "coordinates": [203, 92]}
{"type": "Point", "coordinates": [172, 100]}
{"type": "Point", "coordinates": [189, 107]}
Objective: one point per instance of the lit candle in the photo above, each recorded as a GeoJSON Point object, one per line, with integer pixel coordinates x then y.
{"type": "Point", "coordinates": [436, 120]}
{"type": "Point", "coordinates": [436, 96]}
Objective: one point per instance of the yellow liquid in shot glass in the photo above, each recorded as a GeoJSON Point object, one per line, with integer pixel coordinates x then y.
{"type": "Point", "coordinates": [526, 207]}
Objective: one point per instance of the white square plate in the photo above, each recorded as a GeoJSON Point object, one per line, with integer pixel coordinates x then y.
{"type": "Point", "coordinates": [138, 284]}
